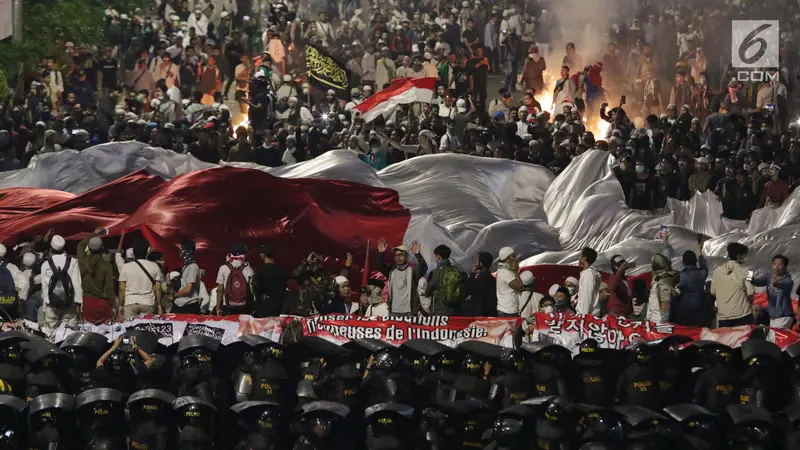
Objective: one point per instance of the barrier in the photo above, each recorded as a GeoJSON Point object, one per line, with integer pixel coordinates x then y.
{"type": "Point", "coordinates": [563, 329]}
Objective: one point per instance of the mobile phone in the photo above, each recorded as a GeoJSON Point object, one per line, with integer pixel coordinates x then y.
{"type": "Point", "coordinates": [126, 340]}
{"type": "Point", "coordinates": [622, 100]}
{"type": "Point", "coordinates": [749, 275]}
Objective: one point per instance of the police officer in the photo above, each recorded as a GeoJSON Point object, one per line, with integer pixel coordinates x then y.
{"type": "Point", "coordinates": [48, 369]}
{"type": "Point", "coordinates": [699, 425]}
{"type": "Point", "coordinates": [513, 383]}
{"type": "Point", "coordinates": [558, 427]}
{"type": "Point", "coordinates": [100, 419]}
{"type": "Point", "coordinates": [196, 423]}
{"type": "Point", "coordinates": [650, 430]}
{"type": "Point", "coordinates": [719, 384]}
{"type": "Point", "coordinates": [84, 348]}
{"type": "Point", "coordinates": [792, 353]}
{"type": "Point", "coordinates": [596, 385]}
{"type": "Point", "coordinates": [752, 428]}
{"type": "Point", "coordinates": [309, 359]}
{"type": "Point", "coordinates": [195, 372]}
{"type": "Point", "coordinates": [465, 424]}
{"type": "Point", "coordinates": [548, 361]}
{"type": "Point", "coordinates": [435, 366]}
{"type": "Point", "coordinates": [603, 428]}
{"type": "Point", "coordinates": [323, 426]}
{"type": "Point", "coordinates": [472, 383]}
{"type": "Point", "coordinates": [764, 381]}
{"type": "Point", "coordinates": [50, 422]}
{"type": "Point", "coordinates": [151, 421]}
{"type": "Point", "coordinates": [12, 423]}
{"type": "Point", "coordinates": [122, 366]}
{"type": "Point", "coordinates": [512, 429]}
{"type": "Point", "coordinates": [341, 384]}
{"type": "Point", "coordinates": [390, 426]}
{"type": "Point", "coordinates": [259, 426]}
{"type": "Point", "coordinates": [387, 379]}
{"type": "Point", "coordinates": [640, 383]}
{"type": "Point", "coordinates": [12, 364]}
{"type": "Point", "coordinates": [260, 374]}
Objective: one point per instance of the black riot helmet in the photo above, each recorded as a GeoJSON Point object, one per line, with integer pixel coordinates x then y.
{"type": "Point", "coordinates": [101, 418]}
{"type": "Point", "coordinates": [510, 425]}
{"type": "Point", "coordinates": [84, 348]}
{"type": "Point", "coordinates": [119, 363]}
{"type": "Point", "coordinates": [753, 427]}
{"type": "Point", "coordinates": [12, 423]}
{"type": "Point", "coordinates": [643, 353]}
{"type": "Point", "coordinates": [588, 346]}
{"type": "Point", "coordinates": [320, 422]}
{"type": "Point", "coordinates": [473, 364]}
{"type": "Point", "coordinates": [259, 425]}
{"type": "Point", "coordinates": [387, 420]}
{"type": "Point", "coordinates": [50, 419]}
{"type": "Point", "coordinates": [603, 426]}
{"type": "Point", "coordinates": [195, 418]}
{"type": "Point", "coordinates": [11, 353]}
{"type": "Point", "coordinates": [387, 359]}
{"type": "Point", "coordinates": [559, 410]}
{"type": "Point", "coordinates": [513, 361]}
{"type": "Point", "coordinates": [151, 419]}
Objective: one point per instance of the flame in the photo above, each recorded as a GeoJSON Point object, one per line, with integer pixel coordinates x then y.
{"type": "Point", "coordinates": [245, 122]}
{"type": "Point", "coordinates": [599, 128]}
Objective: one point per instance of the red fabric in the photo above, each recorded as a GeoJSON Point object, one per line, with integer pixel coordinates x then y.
{"type": "Point", "coordinates": [96, 310]}
{"type": "Point", "coordinates": [217, 207]}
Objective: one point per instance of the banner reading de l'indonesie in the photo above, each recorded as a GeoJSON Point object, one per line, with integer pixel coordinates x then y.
{"type": "Point", "coordinates": [450, 331]}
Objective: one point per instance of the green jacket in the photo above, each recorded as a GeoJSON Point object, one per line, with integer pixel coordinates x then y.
{"type": "Point", "coordinates": [96, 273]}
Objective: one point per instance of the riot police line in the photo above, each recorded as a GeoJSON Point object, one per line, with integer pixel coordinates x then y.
{"type": "Point", "coordinates": [135, 393]}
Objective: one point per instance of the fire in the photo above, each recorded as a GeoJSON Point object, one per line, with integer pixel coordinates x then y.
{"type": "Point", "coordinates": [245, 122]}
{"type": "Point", "coordinates": [599, 128]}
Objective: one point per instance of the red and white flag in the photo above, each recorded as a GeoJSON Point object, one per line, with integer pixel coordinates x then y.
{"type": "Point", "coordinates": [402, 91]}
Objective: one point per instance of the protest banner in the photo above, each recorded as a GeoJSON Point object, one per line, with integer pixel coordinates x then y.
{"type": "Point", "coordinates": [396, 330]}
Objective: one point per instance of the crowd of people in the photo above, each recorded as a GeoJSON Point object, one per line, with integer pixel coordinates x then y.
{"type": "Point", "coordinates": [311, 394]}
{"type": "Point", "coordinates": [163, 77]}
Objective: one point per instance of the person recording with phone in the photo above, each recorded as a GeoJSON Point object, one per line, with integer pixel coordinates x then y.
{"type": "Point", "coordinates": [122, 367]}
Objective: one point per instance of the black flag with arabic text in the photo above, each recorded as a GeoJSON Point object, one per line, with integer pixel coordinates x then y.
{"type": "Point", "coordinates": [326, 72]}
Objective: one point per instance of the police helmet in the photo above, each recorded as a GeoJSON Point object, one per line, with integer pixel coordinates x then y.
{"type": "Point", "coordinates": [473, 364]}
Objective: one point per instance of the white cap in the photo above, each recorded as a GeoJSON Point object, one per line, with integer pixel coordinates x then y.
{"type": "Point", "coordinates": [28, 259]}
{"type": "Point", "coordinates": [173, 275]}
{"type": "Point", "coordinates": [57, 243]}
{"type": "Point", "coordinates": [367, 88]}
{"type": "Point", "coordinates": [224, 14]}
{"type": "Point", "coordinates": [526, 278]}
{"type": "Point", "coordinates": [702, 160]}
{"type": "Point", "coordinates": [553, 290]}
{"type": "Point", "coordinates": [461, 105]}
{"type": "Point", "coordinates": [454, 10]}
{"type": "Point", "coordinates": [287, 78]}
{"type": "Point", "coordinates": [505, 252]}
{"type": "Point", "coordinates": [427, 55]}
{"type": "Point", "coordinates": [3, 250]}
{"type": "Point", "coordinates": [340, 280]}
{"type": "Point", "coordinates": [331, 91]}
{"type": "Point", "coordinates": [571, 280]}
{"type": "Point", "coordinates": [69, 44]}
{"type": "Point", "coordinates": [129, 253]}
{"type": "Point", "coordinates": [465, 4]}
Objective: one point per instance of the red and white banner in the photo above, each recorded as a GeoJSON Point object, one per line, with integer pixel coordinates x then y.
{"type": "Point", "coordinates": [396, 330]}
{"type": "Point", "coordinates": [172, 327]}
{"type": "Point", "coordinates": [402, 91]}
{"type": "Point", "coordinates": [616, 333]}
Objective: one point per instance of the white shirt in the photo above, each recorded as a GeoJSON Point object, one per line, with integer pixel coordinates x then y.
{"type": "Point", "coordinates": [507, 298]}
{"type": "Point", "coordinates": [224, 272]}
{"type": "Point", "coordinates": [23, 283]}
{"type": "Point", "coordinates": [288, 157]}
{"type": "Point", "coordinates": [72, 270]}
{"type": "Point", "coordinates": [532, 307]}
{"type": "Point", "coordinates": [589, 292]}
{"type": "Point", "coordinates": [379, 310]}
{"type": "Point", "coordinates": [139, 290]}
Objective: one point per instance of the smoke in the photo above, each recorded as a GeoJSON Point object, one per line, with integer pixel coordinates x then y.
{"type": "Point", "coordinates": [586, 23]}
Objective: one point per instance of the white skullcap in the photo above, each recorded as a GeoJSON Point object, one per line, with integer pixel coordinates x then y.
{"type": "Point", "coordinates": [287, 77]}
{"type": "Point", "coordinates": [28, 259]}
{"type": "Point", "coordinates": [340, 280]}
{"type": "Point", "coordinates": [553, 290]}
{"type": "Point", "coordinates": [57, 243]}
{"type": "Point", "coordinates": [173, 275]}
{"type": "Point", "coordinates": [505, 252]}
{"type": "Point", "coordinates": [293, 99]}
{"type": "Point", "coordinates": [526, 278]}
{"type": "Point", "coordinates": [129, 253]}
{"type": "Point", "coordinates": [571, 280]}
{"type": "Point", "coordinates": [3, 250]}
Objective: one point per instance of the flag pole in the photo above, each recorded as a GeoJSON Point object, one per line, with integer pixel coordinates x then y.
{"type": "Point", "coordinates": [365, 275]}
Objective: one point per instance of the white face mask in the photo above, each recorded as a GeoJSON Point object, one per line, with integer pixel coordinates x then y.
{"type": "Point", "coordinates": [549, 309]}
{"type": "Point", "coordinates": [571, 290]}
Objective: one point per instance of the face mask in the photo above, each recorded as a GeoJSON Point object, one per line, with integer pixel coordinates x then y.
{"type": "Point", "coordinates": [639, 169]}
{"type": "Point", "coordinates": [702, 81]}
{"type": "Point", "coordinates": [549, 309]}
{"type": "Point", "coordinates": [571, 290]}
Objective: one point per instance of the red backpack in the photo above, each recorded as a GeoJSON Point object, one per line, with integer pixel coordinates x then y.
{"type": "Point", "coordinates": [237, 290]}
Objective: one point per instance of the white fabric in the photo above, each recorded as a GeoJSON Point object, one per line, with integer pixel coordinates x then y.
{"type": "Point", "coordinates": [532, 307]}
{"type": "Point", "coordinates": [139, 290]}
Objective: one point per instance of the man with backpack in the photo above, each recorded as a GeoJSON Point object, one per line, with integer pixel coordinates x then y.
{"type": "Point", "coordinates": [62, 287]}
{"type": "Point", "coordinates": [186, 300]}
{"type": "Point", "coordinates": [140, 284]}
{"type": "Point", "coordinates": [233, 283]}
{"type": "Point", "coordinates": [97, 279]}
{"type": "Point", "coordinates": [445, 286]}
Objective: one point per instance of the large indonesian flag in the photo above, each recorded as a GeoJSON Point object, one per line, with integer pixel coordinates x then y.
{"type": "Point", "coordinates": [402, 91]}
